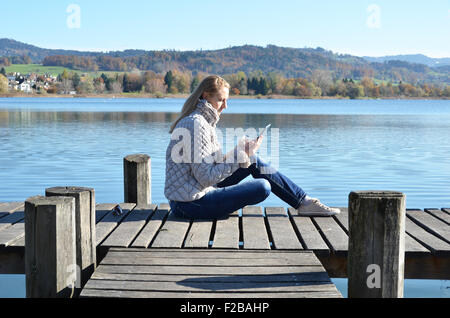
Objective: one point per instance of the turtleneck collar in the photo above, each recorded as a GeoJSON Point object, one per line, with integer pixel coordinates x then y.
{"type": "Point", "coordinates": [208, 111]}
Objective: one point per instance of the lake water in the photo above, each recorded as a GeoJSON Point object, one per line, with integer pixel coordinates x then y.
{"type": "Point", "coordinates": [328, 147]}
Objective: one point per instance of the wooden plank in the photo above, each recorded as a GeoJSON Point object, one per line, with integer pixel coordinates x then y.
{"type": "Point", "coordinates": [308, 233]}
{"type": "Point", "coordinates": [342, 219]}
{"type": "Point", "coordinates": [254, 229]}
{"type": "Point", "coordinates": [432, 242]}
{"type": "Point", "coordinates": [172, 233]}
{"type": "Point", "coordinates": [430, 223]}
{"type": "Point", "coordinates": [301, 277]}
{"type": "Point", "coordinates": [124, 234]}
{"type": "Point", "coordinates": [334, 235]}
{"type": "Point", "coordinates": [190, 285]}
{"type": "Point", "coordinates": [102, 209]}
{"type": "Point", "coordinates": [199, 234]}
{"type": "Point", "coordinates": [280, 226]}
{"type": "Point", "coordinates": [226, 234]}
{"type": "Point", "coordinates": [211, 254]}
{"type": "Point", "coordinates": [9, 207]}
{"type": "Point", "coordinates": [206, 270]}
{"type": "Point", "coordinates": [133, 259]}
{"type": "Point", "coordinates": [15, 216]}
{"type": "Point", "coordinates": [11, 234]}
{"type": "Point", "coordinates": [150, 295]}
{"type": "Point", "coordinates": [107, 224]}
{"type": "Point", "coordinates": [413, 246]}
{"type": "Point", "coordinates": [20, 242]}
{"type": "Point", "coordinates": [440, 214]}
{"type": "Point", "coordinates": [151, 228]}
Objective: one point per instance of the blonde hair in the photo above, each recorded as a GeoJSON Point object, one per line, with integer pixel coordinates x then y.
{"type": "Point", "coordinates": [211, 84]}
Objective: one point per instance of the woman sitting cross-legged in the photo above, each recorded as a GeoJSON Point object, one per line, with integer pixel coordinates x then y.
{"type": "Point", "coordinates": [202, 183]}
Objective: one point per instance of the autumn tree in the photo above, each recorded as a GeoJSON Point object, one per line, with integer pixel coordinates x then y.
{"type": "Point", "coordinates": [3, 84]}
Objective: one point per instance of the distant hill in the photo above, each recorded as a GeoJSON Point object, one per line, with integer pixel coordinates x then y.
{"type": "Point", "coordinates": [412, 58]}
{"type": "Point", "coordinates": [10, 47]}
{"type": "Point", "coordinates": [289, 62]}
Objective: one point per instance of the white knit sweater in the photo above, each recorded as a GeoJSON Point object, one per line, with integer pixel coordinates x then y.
{"type": "Point", "coordinates": [194, 159]}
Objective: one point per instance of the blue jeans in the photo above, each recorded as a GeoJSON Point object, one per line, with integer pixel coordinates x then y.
{"type": "Point", "coordinates": [231, 195]}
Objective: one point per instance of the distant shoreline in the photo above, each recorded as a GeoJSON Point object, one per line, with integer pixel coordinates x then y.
{"type": "Point", "coordinates": [184, 96]}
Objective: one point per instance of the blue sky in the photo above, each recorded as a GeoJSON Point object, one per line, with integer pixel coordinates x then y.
{"type": "Point", "coordinates": [357, 27]}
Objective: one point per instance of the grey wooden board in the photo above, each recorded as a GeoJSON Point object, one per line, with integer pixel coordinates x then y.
{"type": "Point", "coordinates": [209, 272]}
{"type": "Point", "coordinates": [432, 242]}
{"type": "Point", "coordinates": [308, 232]}
{"type": "Point", "coordinates": [107, 224]}
{"type": "Point", "coordinates": [206, 270]}
{"type": "Point", "coordinates": [19, 242]}
{"type": "Point", "coordinates": [130, 226]}
{"type": "Point", "coordinates": [199, 234]}
{"type": "Point", "coordinates": [283, 234]}
{"type": "Point", "coordinates": [212, 253]}
{"type": "Point", "coordinates": [144, 294]}
{"type": "Point", "coordinates": [17, 215]}
{"type": "Point", "coordinates": [342, 218]}
{"type": "Point", "coordinates": [191, 285]}
{"type": "Point", "coordinates": [254, 229]}
{"type": "Point", "coordinates": [440, 214]}
{"type": "Point", "coordinates": [430, 223]}
{"type": "Point", "coordinates": [151, 228]}
{"type": "Point", "coordinates": [9, 207]}
{"type": "Point", "coordinates": [11, 234]}
{"type": "Point", "coordinates": [333, 233]}
{"type": "Point", "coordinates": [301, 277]}
{"type": "Point", "coordinates": [103, 209]}
{"type": "Point", "coordinates": [226, 234]}
{"type": "Point", "coordinates": [133, 259]}
{"type": "Point", "coordinates": [172, 233]}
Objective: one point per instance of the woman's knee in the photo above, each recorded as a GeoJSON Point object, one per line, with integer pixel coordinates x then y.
{"type": "Point", "coordinates": [263, 188]}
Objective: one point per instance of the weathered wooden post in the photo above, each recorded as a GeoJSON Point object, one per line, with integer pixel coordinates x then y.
{"type": "Point", "coordinates": [137, 179]}
{"type": "Point", "coordinates": [84, 228]}
{"type": "Point", "coordinates": [376, 249]}
{"type": "Point", "coordinates": [50, 256]}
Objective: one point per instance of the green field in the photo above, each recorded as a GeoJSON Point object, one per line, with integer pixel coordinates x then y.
{"type": "Point", "coordinates": [53, 70]}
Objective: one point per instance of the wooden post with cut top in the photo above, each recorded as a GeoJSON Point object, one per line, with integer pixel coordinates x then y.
{"type": "Point", "coordinates": [84, 228]}
{"type": "Point", "coordinates": [137, 179]}
{"type": "Point", "coordinates": [376, 250]}
{"type": "Point", "coordinates": [50, 256]}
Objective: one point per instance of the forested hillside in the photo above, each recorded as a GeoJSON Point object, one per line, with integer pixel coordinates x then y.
{"type": "Point", "coordinates": [287, 62]}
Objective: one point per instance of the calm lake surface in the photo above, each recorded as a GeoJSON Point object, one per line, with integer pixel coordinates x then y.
{"type": "Point", "coordinates": [328, 147]}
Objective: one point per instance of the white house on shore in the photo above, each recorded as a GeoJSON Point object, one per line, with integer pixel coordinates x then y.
{"type": "Point", "coordinates": [25, 87]}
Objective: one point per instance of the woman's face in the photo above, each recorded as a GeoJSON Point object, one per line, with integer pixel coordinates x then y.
{"type": "Point", "coordinates": [218, 100]}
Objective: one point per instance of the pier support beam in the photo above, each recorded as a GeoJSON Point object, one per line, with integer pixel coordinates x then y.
{"type": "Point", "coordinates": [84, 228]}
{"type": "Point", "coordinates": [376, 244]}
{"type": "Point", "coordinates": [50, 256]}
{"type": "Point", "coordinates": [137, 179]}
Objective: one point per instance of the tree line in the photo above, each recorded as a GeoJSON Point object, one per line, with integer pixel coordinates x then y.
{"type": "Point", "coordinates": [257, 83]}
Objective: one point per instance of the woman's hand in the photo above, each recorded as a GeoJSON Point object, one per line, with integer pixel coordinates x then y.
{"type": "Point", "coordinates": [252, 146]}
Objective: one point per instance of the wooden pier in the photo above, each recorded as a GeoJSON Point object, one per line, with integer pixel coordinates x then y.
{"type": "Point", "coordinates": [427, 239]}
{"type": "Point", "coordinates": [76, 247]}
